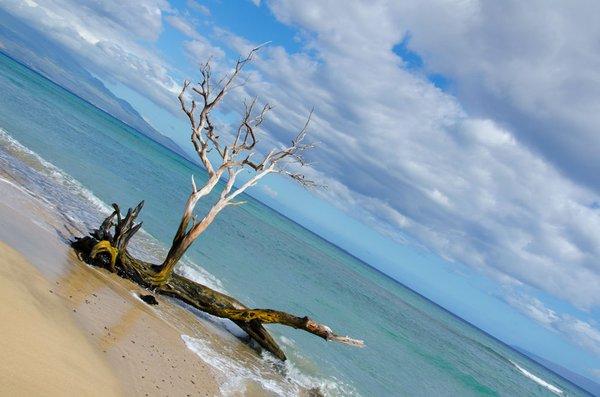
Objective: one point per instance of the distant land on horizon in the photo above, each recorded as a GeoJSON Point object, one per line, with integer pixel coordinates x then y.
{"type": "Point", "coordinates": [58, 66]}
{"type": "Point", "coordinates": [578, 380]}
{"type": "Point", "coordinates": [574, 378]}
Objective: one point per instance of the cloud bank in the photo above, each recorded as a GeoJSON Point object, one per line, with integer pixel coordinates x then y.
{"type": "Point", "coordinates": [582, 333]}
{"type": "Point", "coordinates": [415, 159]}
{"type": "Point", "coordinates": [499, 173]}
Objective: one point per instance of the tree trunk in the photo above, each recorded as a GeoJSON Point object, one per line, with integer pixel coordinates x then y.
{"type": "Point", "coordinates": [184, 238]}
{"type": "Point", "coordinates": [106, 250]}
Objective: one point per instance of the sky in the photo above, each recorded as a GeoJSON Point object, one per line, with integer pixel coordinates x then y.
{"type": "Point", "coordinates": [458, 139]}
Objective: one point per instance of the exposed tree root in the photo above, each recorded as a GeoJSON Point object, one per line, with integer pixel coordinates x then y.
{"type": "Point", "coordinates": [105, 249]}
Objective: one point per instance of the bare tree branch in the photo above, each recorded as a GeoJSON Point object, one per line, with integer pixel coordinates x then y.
{"type": "Point", "coordinates": [197, 102]}
{"type": "Point", "coordinates": [235, 155]}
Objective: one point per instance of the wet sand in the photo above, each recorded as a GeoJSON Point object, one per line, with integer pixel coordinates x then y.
{"type": "Point", "coordinates": [44, 352]}
{"type": "Point", "coordinates": [70, 329]}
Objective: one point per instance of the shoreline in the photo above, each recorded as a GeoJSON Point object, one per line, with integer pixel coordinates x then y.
{"type": "Point", "coordinates": [41, 343]}
{"type": "Point", "coordinates": [42, 209]}
{"type": "Point", "coordinates": [58, 310]}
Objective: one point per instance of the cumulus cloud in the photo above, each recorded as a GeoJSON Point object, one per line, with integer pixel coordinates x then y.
{"type": "Point", "coordinates": [582, 333]}
{"type": "Point", "coordinates": [200, 49]}
{"type": "Point", "coordinates": [500, 175]}
{"type": "Point", "coordinates": [408, 158]}
{"type": "Point", "coordinates": [107, 39]}
{"type": "Point", "coordinates": [531, 65]}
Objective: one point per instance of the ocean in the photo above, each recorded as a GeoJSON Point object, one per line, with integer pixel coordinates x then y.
{"type": "Point", "coordinates": [79, 159]}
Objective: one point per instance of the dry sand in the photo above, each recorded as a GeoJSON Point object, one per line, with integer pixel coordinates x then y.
{"type": "Point", "coordinates": [43, 351]}
{"type": "Point", "coordinates": [69, 329]}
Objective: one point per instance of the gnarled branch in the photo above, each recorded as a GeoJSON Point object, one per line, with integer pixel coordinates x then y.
{"type": "Point", "coordinates": [109, 249]}
{"type": "Point", "coordinates": [235, 155]}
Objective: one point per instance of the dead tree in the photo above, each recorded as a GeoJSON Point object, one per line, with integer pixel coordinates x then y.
{"type": "Point", "coordinates": [107, 245]}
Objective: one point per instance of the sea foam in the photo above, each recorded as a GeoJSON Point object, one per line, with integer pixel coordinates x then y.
{"type": "Point", "coordinates": [537, 379]}
{"type": "Point", "coordinates": [63, 194]}
{"type": "Point", "coordinates": [237, 375]}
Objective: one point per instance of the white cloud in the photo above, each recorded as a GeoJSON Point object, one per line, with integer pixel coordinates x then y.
{"type": "Point", "coordinates": [200, 50]}
{"type": "Point", "coordinates": [269, 191]}
{"type": "Point", "coordinates": [107, 39]}
{"type": "Point", "coordinates": [475, 177]}
{"type": "Point", "coordinates": [183, 25]}
{"type": "Point", "coordinates": [581, 333]}
{"type": "Point", "coordinates": [533, 308]}
{"type": "Point", "coordinates": [195, 5]}
{"type": "Point", "coordinates": [464, 186]}
{"type": "Point", "coordinates": [531, 65]}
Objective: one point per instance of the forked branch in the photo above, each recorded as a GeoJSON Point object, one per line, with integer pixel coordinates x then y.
{"type": "Point", "coordinates": [235, 153]}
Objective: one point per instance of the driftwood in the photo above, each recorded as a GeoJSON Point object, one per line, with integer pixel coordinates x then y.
{"type": "Point", "coordinates": [107, 247]}
{"type": "Point", "coordinates": [232, 155]}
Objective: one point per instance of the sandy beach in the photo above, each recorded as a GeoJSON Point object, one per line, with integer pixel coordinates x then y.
{"type": "Point", "coordinates": [42, 345]}
{"type": "Point", "coordinates": [69, 329]}
{"type": "Point", "coordinates": [289, 198]}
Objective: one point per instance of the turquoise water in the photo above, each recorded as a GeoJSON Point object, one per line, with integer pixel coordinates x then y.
{"type": "Point", "coordinates": [414, 347]}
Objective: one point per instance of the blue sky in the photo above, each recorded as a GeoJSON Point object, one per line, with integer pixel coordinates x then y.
{"type": "Point", "coordinates": [458, 140]}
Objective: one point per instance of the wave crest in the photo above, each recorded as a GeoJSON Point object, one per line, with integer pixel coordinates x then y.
{"type": "Point", "coordinates": [537, 379]}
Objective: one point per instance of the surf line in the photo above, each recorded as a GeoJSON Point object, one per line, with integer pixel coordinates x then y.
{"type": "Point", "coordinates": [537, 380]}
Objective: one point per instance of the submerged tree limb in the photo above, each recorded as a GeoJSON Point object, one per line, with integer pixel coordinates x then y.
{"type": "Point", "coordinates": [108, 249]}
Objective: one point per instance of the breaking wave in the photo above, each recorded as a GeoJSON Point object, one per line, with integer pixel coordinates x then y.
{"type": "Point", "coordinates": [537, 379]}
{"type": "Point", "coordinates": [82, 210]}
{"type": "Point", "coordinates": [237, 376]}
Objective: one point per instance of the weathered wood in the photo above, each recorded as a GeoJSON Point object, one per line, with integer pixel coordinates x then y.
{"type": "Point", "coordinates": [232, 156]}
{"type": "Point", "coordinates": [107, 250]}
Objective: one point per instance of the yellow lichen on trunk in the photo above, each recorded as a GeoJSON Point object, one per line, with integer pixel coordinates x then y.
{"type": "Point", "coordinates": [105, 246]}
{"type": "Point", "coordinates": [161, 279]}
